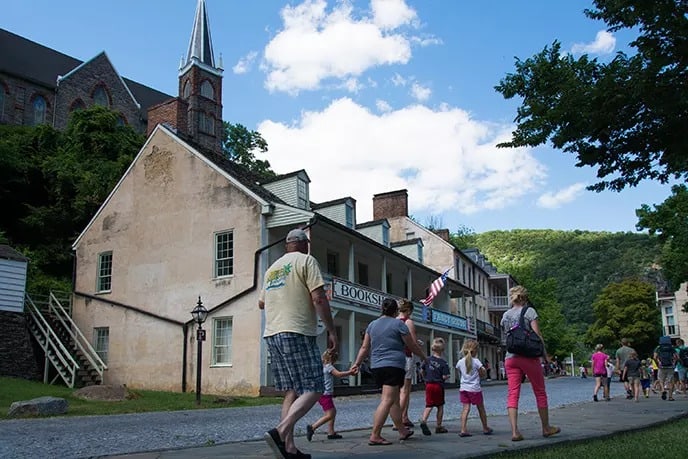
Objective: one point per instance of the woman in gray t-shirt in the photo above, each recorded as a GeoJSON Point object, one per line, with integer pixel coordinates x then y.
{"type": "Point", "coordinates": [517, 366]}
{"type": "Point", "coordinates": [384, 339]}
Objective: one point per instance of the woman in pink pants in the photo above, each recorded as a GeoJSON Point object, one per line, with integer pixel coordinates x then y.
{"type": "Point", "coordinates": [517, 366]}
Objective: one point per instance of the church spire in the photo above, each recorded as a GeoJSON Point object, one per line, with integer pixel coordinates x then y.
{"type": "Point", "coordinates": [201, 45]}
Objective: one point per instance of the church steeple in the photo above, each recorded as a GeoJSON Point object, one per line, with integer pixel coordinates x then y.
{"type": "Point", "coordinates": [200, 85]}
{"type": "Point", "coordinates": [201, 45]}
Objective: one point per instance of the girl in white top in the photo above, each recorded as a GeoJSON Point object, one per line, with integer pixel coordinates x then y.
{"type": "Point", "coordinates": [470, 391]}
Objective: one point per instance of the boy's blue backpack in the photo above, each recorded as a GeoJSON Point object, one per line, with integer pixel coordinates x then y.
{"type": "Point", "coordinates": [666, 352]}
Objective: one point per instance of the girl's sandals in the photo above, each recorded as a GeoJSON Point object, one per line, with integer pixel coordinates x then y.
{"type": "Point", "coordinates": [380, 442]}
{"type": "Point", "coordinates": [408, 435]}
{"type": "Point", "coordinates": [518, 437]}
{"type": "Point", "coordinates": [552, 431]}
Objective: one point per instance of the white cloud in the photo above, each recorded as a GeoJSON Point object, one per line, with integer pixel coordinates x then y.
{"type": "Point", "coordinates": [604, 44]}
{"type": "Point", "coordinates": [561, 197]}
{"type": "Point", "coordinates": [398, 80]}
{"type": "Point", "coordinates": [315, 44]}
{"type": "Point", "coordinates": [420, 93]}
{"type": "Point", "coordinates": [352, 85]}
{"type": "Point", "coordinates": [383, 106]}
{"type": "Point", "coordinates": [245, 63]}
{"type": "Point", "coordinates": [348, 150]}
{"type": "Point", "coordinates": [390, 14]}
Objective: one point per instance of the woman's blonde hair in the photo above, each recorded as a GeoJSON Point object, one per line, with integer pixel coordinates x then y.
{"type": "Point", "coordinates": [518, 295]}
{"type": "Point", "coordinates": [437, 345]}
{"type": "Point", "coordinates": [599, 347]}
{"type": "Point", "coordinates": [469, 349]}
{"type": "Point", "coordinates": [406, 307]}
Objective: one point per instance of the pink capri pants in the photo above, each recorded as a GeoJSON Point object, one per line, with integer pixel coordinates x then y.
{"type": "Point", "coordinates": [516, 367]}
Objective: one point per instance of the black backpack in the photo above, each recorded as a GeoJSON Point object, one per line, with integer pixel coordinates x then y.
{"type": "Point", "coordinates": [520, 340]}
{"type": "Point", "coordinates": [666, 353]}
{"type": "Point", "coordinates": [683, 356]}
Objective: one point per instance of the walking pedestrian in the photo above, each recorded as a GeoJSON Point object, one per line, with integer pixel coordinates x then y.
{"type": "Point", "coordinates": [518, 366]}
{"type": "Point", "coordinates": [327, 398]}
{"type": "Point", "coordinates": [631, 373]}
{"type": "Point", "coordinates": [622, 355]}
{"type": "Point", "coordinates": [435, 373]}
{"type": "Point", "coordinates": [666, 357]}
{"type": "Point", "coordinates": [405, 312]}
{"type": "Point", "coordinates": [610, 374]}
{"type": "Point", "coordinates": [293, 298]}
{"type": "Point", "coordinates": [488, 370]}
{"type": "Point", "coordinates": [470, 392]}
{"type": "Point", "coordinates": [599, 371]}
{"type": "Point", "coordinates": [385, 339]}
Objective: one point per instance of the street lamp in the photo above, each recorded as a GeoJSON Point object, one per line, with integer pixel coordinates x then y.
{"type": "Point", "coordinates": [199, 315]}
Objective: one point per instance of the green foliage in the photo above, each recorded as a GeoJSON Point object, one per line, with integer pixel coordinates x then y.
{"type": "Point", "coordinates": [626, 309]}
{"type": "Point", "coordinates": [669, 221]}
{"type": "Point", "coordinates": [463, 238]}
{"type": "Point", "coordinates": [620, 117]}
{"type": "Point", "coordinates": [241, 145]}
{"type": "Point", "coordinates": [581, 262]}
{"type": "Point", "coordinates": [52, 183]}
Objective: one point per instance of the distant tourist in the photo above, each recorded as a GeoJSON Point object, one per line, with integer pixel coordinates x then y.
{"type": "Point", "coordinates": [645, 378]}
{"type": "Point", "coordinates": [666, 357]}
{"type": "Point", "coordinates": [631, 373]}
{"type": "Point", "coordinates": [470, 392]}
{"type": "Point", "coordinates": [488, 369]}
{"type": "Point", "coordinates": [622, 355]}
{"type": "Point", "coordinates": [681, 365]}
{"type": "Point", "coordinates": [599, 371]}
{"type": "Point", "coordinates": [518, 366]}
{"type": "Point", "coordinates": [435, 372]}
{"type": "Point", "coordinates": [610, 375]}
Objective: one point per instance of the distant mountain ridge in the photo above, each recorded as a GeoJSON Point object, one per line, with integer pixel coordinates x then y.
{"type": "Point", "coordinates": [581, 262]}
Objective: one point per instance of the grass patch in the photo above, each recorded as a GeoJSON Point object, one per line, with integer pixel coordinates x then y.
{"type": "Point", "coordinates": [667, 440]}
{"type": "Point", "coordinates": [14, 389]}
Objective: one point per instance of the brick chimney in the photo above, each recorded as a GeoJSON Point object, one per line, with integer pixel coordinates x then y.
{"type": "Point", "coordinates": [172, 112]}
{"type": "Point", "coordinates": [443, 233]}
{"type": "Point", "coordinates": [390, 204]}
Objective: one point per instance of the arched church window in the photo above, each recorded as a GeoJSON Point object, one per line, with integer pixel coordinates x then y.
{"type": "Point", "coordinates": [187, 89]}
{"type": "Point", "coordinates": [207, 90]}
{"type": "Point", "coordinates": [100, 96]}
{"type": "Point", "coordinates": [77, 105]}
{"type": "Point", "coordinates": [39, 109]}
{"type": "Point", "coordinates": [206, 123]}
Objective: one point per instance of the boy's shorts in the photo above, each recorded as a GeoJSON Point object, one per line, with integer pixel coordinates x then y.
{"type": "Point", "coordinates": [434, 394]}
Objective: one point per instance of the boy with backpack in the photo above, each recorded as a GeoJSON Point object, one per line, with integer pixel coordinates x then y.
{"type": "Point", "coordinates": [666, 357]}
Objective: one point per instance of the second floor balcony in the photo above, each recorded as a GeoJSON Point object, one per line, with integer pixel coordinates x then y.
{"type": "Point", "coordinates": [499, 303]}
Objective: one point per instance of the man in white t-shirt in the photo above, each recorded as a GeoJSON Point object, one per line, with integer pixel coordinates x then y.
{"type": "Point", "coordinates": [293, 297]}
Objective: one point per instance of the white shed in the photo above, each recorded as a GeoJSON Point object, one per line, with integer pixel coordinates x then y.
{"type": "Point", "coordinates": [12, 279]}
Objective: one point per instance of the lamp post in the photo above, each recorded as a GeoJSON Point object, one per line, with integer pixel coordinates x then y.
{"type": "Point", "coordinates": [199, 315]}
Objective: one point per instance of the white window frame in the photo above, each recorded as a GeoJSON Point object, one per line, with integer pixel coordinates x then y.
{"type": "Point", "coordinates": [218, 345]}
{"type": "Point", "coordinates": [101, 275]}
{"type": "Point", "coordinates": [217, 259]}
{"type": "Point", "coordinates": [302, 193]}
{"type": "Point", "coordinates": [101, 342]}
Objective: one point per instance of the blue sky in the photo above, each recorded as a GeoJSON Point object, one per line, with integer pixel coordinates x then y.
{"type": "Point", "coordinates": [371, 96]}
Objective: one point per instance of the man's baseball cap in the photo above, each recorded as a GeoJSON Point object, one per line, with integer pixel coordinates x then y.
{"type": "Point", "coordinates": [297, 235]}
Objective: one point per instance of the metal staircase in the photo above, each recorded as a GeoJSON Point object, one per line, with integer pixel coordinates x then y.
{"type": "Point", "coordinates": [66, 349]}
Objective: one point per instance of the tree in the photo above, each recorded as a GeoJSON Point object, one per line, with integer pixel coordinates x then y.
{"type": "Point", "coordinates": [240, 145]}
{"type": "Point", "coordinates": [623, 117]}
{"type": "Point", "coordinates": [626, 309]}
{"type": "Point", "coordinates": [463, 238]}
{"type": "Point", "coordinates": [670, 222]}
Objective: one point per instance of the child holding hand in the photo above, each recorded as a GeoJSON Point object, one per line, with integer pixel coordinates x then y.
{"type": "Point", "coordinates": [470, 391]}
{"type": "Point", "coordinates": [326, 399]}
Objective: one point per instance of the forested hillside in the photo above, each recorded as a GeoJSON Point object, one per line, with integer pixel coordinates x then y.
{"type": "Point", "coordinates": [581, 262]}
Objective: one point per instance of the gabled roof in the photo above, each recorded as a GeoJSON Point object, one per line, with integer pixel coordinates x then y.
{"type": "Point", "coordinates": [9, 253]}
{"type": "Point", "coordinates": [39, 64]}
{"type": "Point", "coordinates": [236, 174]}
{"type": "Point", "coordinates": [287, 175]}
{"type": "Point", "coordinates": [372, 223]}
{"type": "Point", "coordinates": [334, 202]}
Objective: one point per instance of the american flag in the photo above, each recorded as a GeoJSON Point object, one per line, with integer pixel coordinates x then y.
{"type": "Point", "coordinates": [435, 288]}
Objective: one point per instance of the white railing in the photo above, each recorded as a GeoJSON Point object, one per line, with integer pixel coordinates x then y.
{"type": "Point", "coordinates": [51, 344]}
{"type": "Point", "coordinates": [80, 341]}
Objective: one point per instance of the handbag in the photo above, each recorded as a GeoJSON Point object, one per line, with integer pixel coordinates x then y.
{"type": "Point", "coordinates": [522, 341]}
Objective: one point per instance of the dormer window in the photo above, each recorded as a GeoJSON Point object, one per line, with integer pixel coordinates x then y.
{"type": "Point", "coordinates": [207, 90]}
{"type": "Point", "coordinates": [385, 235]}
{"type": "Point", "coordinates": [302, 192]}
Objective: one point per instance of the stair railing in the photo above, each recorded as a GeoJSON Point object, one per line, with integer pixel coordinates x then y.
{"type": "Point", "coordinates": [51, 344]}
{"type": "Point", "coordinates": [78, 338]}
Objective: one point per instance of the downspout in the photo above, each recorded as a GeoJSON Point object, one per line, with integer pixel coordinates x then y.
{"type": "Point", "coordinates": [256, 262]}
